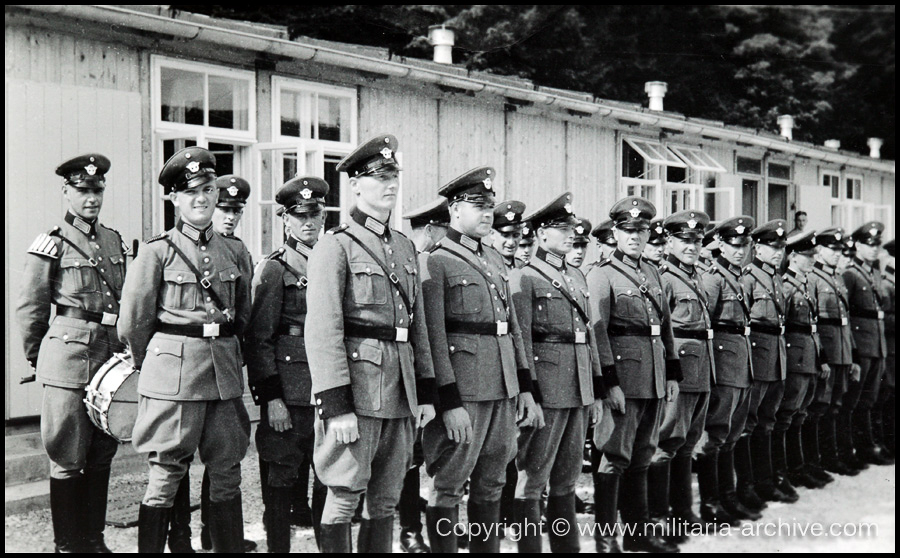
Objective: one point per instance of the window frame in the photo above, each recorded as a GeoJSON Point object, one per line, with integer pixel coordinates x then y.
{"type": "Point", "coordinates": [280, 83]}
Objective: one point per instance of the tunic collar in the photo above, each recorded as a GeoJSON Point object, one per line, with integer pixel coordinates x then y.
{"type": "Point", "coordinates": [298, 245]}
{"type": "Point", "coordinates": [89, 228]}
{"type": "Point", "coordinates": [764, 266]}
{"type": "Point", "coordinates": [824, 267]}
{"type": "Point", "coordinates": [801, 278]}
{"type": "Point", "coordinates": [556, 261]}
{"type": "Point", "coordinates": [626, 259]}
{"type": "Point", "coordinates": [725, 264]}
{"type": "Point", "coordinates": [689, 269]}
{"type": "Point", "coordinates": [472, 244]}
{"type": "Point", "coordinates": [197, 236]}
{"type": "Point", "coordinates": [371, 223]}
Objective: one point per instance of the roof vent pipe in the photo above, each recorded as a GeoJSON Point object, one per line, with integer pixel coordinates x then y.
{"type": "Point", "coordinates": [442, 39]}
{"type": "Point", "coordinates": [833, 144]}
{"type": "Point", "coordinates": [875, 147]}
{"type": "Point", "coordinates": [656, 90]}
{"type": "Point", "coordinates": [786, 123]}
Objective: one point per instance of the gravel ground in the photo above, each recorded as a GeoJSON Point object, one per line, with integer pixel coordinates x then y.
{"type": "Point", "coordinates": [866, 499]}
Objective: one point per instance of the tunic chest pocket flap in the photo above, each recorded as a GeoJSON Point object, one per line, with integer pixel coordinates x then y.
{"type": "Point", "coordinates": [161, 372]}
{"type": "Point", "coordinates": [368, 283]}
{"type": "Point", "coordinates": [550, 307]}
{"type": "Point", "coordinates": [229, 279]}
{"type": "Point", "coordinates": [181, 289]}
{"type": "Point", "coordinates": [294, 293]}
{"type": "Point", "coordinates": [465, 294]}
{"type": "Point", "coordinates": [630, 302]}
{"type": "Point", "coordinates": [289, 350]}
{"type": "Point", "coordinates": [79, 274]}
{"type": "Point", "coordinates": [548, 357]}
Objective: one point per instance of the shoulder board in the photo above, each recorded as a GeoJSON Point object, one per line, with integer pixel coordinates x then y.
{"type": "Point", "coordinates": [275, 255]}
{"type": "Point", "coordinates": [45, 245]}
{"type": "Point", "coordinates": [232, 238]}
{"type": "Point", "coordinates": [400, 233]}
{"type": "Point", "coordinates": [157, 237]}
{"type": "Point", "coordinates": [604, 263]}
{"type": "Point", "coordinates": [340, 228]}
{"type": "Point", "coordinates": [126, 250]}
{"type": "Point", "coordinates": [432, 249]}
{"type": "Point", "coordinates": [663, 268]}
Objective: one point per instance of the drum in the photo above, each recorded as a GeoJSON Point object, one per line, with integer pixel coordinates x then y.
{"type": "Point", "coordinates": [112, 398]}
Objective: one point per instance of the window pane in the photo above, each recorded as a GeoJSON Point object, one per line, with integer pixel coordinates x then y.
{"type": "Point", "coordinates": [676, 174]}
{"type": "Point", "coordinates": [224, 157]}
{"type": "Point", "coordinates": [228, 103]}
{"type": "Point", "coordinates": [749, 166]}
{"type": "Point", "coordinates": [836, 216]}
{"type": "Point", "coordinates": [632, 162]}
{"type": "Point", "coordinates": [859, 216]}
{"type": "Point", "coordinates": [182, 96]}
{"type": "Point", "coordinates": [290, 114]}
{"type": "Point", "coordinates": [334, 119]}
{"type": "Point", "coordinates": [780, 171]}
{"type": "Point", "coordinates": [749, 200]}
{"type": "Point", "coordinates": [266, 237]}
{"type": "Point", "coordinates": [777, 201]}
{"type": "Point", "coordinates": [289, 168]}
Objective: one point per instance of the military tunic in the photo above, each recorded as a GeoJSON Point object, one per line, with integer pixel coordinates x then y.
{"type": "Point", "coordinates": [188, 351]}
{"type": "Point", "coordinates": [643, 349]}
{"type": "Point", "coordinates": [479, 363]}
{"type": "Point", "coordinates": [768, 348]}
{"type": "Point", "coordinates": [371, 358]}
{"type": "Point", "coordinates": [867, 323]}
{"type": "Point", "coordinates": [685, 417]}
{"type": "Point", "coordinates": [68, 351]}
{"type": "Point", "coordinates": [835, 335]}
{"type": "Point", "coordinates": [890, 292]}
{"type": "Point", "coordinates": [562, 346]}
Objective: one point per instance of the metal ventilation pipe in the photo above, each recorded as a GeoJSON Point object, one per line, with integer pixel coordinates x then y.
{"type": "Point", "coordinates": [833, 144]}
{"type": "Point", "coordinates": [875, 147]}
{"type": "Point", "coordinates": [442, 38]}
{"type": "Point", "coordinates": [786, 123]}
{"type": "Point", "coordinates": [656, 90]}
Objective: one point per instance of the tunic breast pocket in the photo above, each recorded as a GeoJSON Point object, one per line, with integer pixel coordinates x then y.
{"type": "Point", "coordinates": [465, 295]}
{"type": "Point", "coordinates": [181, 289]}
{"type": "Point", "coordinates": [365, 375]}
{"type": "Point", "coordinates": [463, 358]}
{"type": "Point", "coordinates": [368, 283]}
{"type": "Point", "coordinates": [628, 361]}
{"type": "Point", "coordinates": [629, 303]}
{"type": "Point", "coordinates": [79, 275]}
{"type": "Point", "coordinates": [229, 279]}
{"type": "Point", "coordinates": [117, 271]}
{"type": "Point", "coordinates": [687, 309]}
{"type": "Point", "coordinates": [294, 295]}
{"type": "Point", "coordinates": [550, 307]}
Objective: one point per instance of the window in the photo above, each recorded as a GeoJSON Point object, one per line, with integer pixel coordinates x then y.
{"type": "Point", "coordinates": [778, 183]}
{"type": "Point", "coordinates": [832, 181]}
{"type": "Point", "coordinates": [750, 196]}
{"type": "Point", "coordinates": [313, 111]}
{"type": "Point", "coordinates": [854, 188]}
{"type": "Point", "coordinates": [847, 208]}
{"type": "Point", "coordinates": [746, 165]}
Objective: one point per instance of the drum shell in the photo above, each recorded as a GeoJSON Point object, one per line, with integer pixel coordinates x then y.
{"type": "Point", "coordinates": [111, 398]}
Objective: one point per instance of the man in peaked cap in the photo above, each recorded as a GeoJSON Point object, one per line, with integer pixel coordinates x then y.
{"type": "Point", "coordinates": [726, 454]}
{"type": "Point", "coordinates": [551, 302]}
{"type": "Point", "coordinates": [233, 194]}
{"type": "Point", "coordinates": [508, 226]}
{"type": "Point", "coordinates": [805, 361]}
{"type": "Point", "coordinates": [575, 258]}
{"type": "Point", "coordinates": [606, 240]}
{"type": "Point", "coordinates": [683, 419]}
{"type": "Point", "coordinates": [883, 412]}
{"type": "Point", "coordinates": [769, 352]}
{"type": "Point", "coordinates": [429, 223]}
{"type": "Point", "coordinates": [709, 249]}
{"type": "Point", "coordinates": [78, 267]}
{"type": "Point", "coordinates": [372, 375]}
{"type": "Point", "coordinates": [277, 365]}
{"type": "Point", "coordinates": [526, 245]}
{"type": "Point", "coordinates": [834, 330]}
{"type": "Point", "coordinates": [187, 298]}
{"type": "Point", "coordinates": [628, 300]}
{"type": "Point", "coordinates": [484, 380]}
{"type": "Point", "coordinates": [867, 306]}
{"type": "Point", "coordinates": [655, 248]}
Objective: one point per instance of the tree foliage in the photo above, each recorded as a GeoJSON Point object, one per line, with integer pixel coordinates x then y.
{"type": "Point", "coordinates": [831, 67]}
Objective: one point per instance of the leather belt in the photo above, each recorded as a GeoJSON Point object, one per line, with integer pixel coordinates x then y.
{"type": "Point", "coordinates": [382, 333]}
{"type": "Point", "coordinates": [634, 331]}
{"type": "Point", "coordinates": [699, 334]}
{"type": "Point", "coordinates": [838, 322]}
{"type": "Point", "coordinates": [577, 338]}
{"type": "Point", "coordinates": [868, 314]}
{"type": "Point", "coordinates": [767, 329]}
{"type": "Point", "coordinates": [202, 330]}
{"type": "Point", "coordinates": [105, 318]}
{"type": "Point", "coordinates": [733, 329]}
{"type": "Point", "coordinates": [479, 328]}
{"type": "Point", "coordinates": [292, 330]}
{"type": "Point", "coordinates": [807, 329]}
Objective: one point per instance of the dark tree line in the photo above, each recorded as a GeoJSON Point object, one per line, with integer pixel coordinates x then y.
{"type": "Point", "coordinates": [831, 67]}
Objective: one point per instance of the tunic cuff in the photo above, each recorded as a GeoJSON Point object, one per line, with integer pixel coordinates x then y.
{"type": "Point", "coordinates": [334, 402]}
{"type": "Point", "coordinates": [599, 387]}
{"type": "Point", "coordinates": [610, 378]}
{"type": "Point", "coordinates": [425, 390]}
{"type": "Point", "coordinates": [673, 370]}
{"type": "Point", "coordinates": [525, 381]}
{"type": "Point", "coordinates": [536, 393]}
{"type": "Point", "coordinates": [448, 398]}
{"type": "Point", "coordinates": [854, 356]}
{"type": "Point", "coordinates": [267, 389]}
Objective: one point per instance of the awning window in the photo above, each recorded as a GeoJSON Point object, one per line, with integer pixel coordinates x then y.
{"type": "Point", "coordinates": [697, 159]}
{"type": "Point", "coordinates": [654, 152]}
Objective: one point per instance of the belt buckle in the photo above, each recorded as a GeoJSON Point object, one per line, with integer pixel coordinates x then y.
{"type": "Point", "coordinates": [814, 328]}
{"type": "Point", "coordinates": [746, 331]}
{"type": "Point", "coordinates": [782, 331]}
{"type": "Point", "coordinates": [109, 319]}
{"type": "Point", "coordinates": [710, 334]}
{"type": "Point", "coordinates": [655, 330]}
{"type": "Point", "coordinates": [580, 337]}
{"type": "Point", "coordinates": [844, 321]}
{"type": "Point", "coordinates": [402, 335]}
{"type": "Point", "coordinates": [210, 330]}
{"type": "Point", "coordinates": [881, 314]}
{"type": "Point", "coordinates": [502, 328]}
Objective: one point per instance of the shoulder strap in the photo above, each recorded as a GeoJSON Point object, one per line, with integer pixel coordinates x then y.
{"type": "Point", "coordinates": [392, 277]}
{"type": "Point", "coordinates": [736, 287]}
{"type": "Point", "coordinates": [566, 295]}
{"type": "Point", "coordinates": [686, 280]}
{"type": "Point", "coordinates": [642, 288]}
{"type": "Point", "coordinates": [204, 282]}
{"type": "Point", "coordinates": [762, 281]}
{"type": "Point", "coordinates": [833, 286]}
{"type": "Point", "coordinates": [291, 269]}
{"type": "Point", "coordinates": [474, 264]}
{"type": "Point", "coordinates": [59, 234]}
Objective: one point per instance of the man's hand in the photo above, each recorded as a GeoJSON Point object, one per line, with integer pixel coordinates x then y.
{"type": "Point", "coordinates": [615, 400]}
{"type": "Point", "coordinates": [825, 372]}
{"type": "Point", "coordinates": [855, 372]}
{"type": "Point", "coordinates": [528, 413]}
{"type": "Point", "coordinates": [425, 415]}
{"type": "Point", "coordinates": [279, 417]}
{"type": "Point", "coordinates": [671, 390]}
{"type": "Point", "coordinates": [596, 411]}
{"type": "Point", "coordinates": [345, 428]}
{"type": "Point", "coordinates": [459, 427]}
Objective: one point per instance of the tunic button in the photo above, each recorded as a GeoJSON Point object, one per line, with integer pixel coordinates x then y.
{"type": "Point", "coordinates": [393, 266]}
{"type": "Point", "coordinates": [682, 352]}
{"type": "Point", "coordinates": [788, 344]}
{"type": "Point", "coordinates": [65, 337]}
{"type": "Point", "coordinates": [156, 350]}
{"type": "Point", "coordinates": [535, 359]}
{"type": "Point", "coordinates": [205, 273]}
{"type": "Point", "coordinates": [110, 305]}
{"type": "Point", "coordinates": [495, 297]}
{"type": "Point", "coordinates": [618, 357]}
{"type": "Point", "coordinates": [93, 237]}
{"type": "Point", "coordinates": [465, 282]}
{"type": "Point", "coordinates": [318, 401]}
{"type": "Point", "coordinates": [232, 275]}
{"type": "Point", "coordinates": [754, 344]}
{"type": "Point", "coordinates": [108, 293]}
{"type": "Point", "coordinates": [400, 306]}
{"type": "Point", "coordinates": [539, 306]}
{"type": "Point", "coordinates": [452, 348]}
{"type": "Point", "coordinates": [368, 270]}
{"type": "Point", "coordinates": [401, 320]}
{"type": "Point", "coordinates": [629, 292]}
{"type": "Point", "coordinates": [320, 411]}
{"type": "Point", "coordinates": [390, 251]}
{"type": "Point", "coordinates": [208, 299]}
{"type": "Point", "coordinates": [203, 248]}
{"type": "Point", "coordinates": [205, 260]}
{"type": "Point", "coordinates": [287, 357]}
{"type": "Point", "coordinates": [212, 310]}
{"type": "Point", "coordinates": [489, 274]}
{"type": "Point", "coordinates": [355, 355]}
{"type": "Point", "coordinates": [100, 258]}
{"type": "Point", "coordinates": [721, 347]}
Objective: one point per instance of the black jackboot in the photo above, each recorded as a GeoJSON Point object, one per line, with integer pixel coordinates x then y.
{"type": "Point", "coordinates": [711, 509]}
{"type": "Point", "coordinates": [796, 459]}
{"type": "Point", "coordinates": [486, 538]}
{"type": "Point", "coordinates": [847, 442]}
{"type": "Point", "coordinates": [811, 451]}
{"type": "Point", "coordinates": [205, 541]}
{"type": "Point", "coordinates": [658, 490]}
{"type": "Point", "coordinates": [563, 507]}
{"type": "Point", "coordinates": [743, 468]}
{"type": "Point", "coordinates": [527, 515]}
{"type": "Point", "coordinates": [606, 496]}
{"type": "Point", "coordinates": [761, 450]}
{"type": "Point", "coordinates": [335, 538]}
{"type": "Point", "coordinates": [681, 494]}
{"type": "Point", "coordinates": [66, 501]}
{"type": "Point", "coordinates": [831, 452]}
{"type": "Point", "coordinates": [727, 491]}
{"type": "Point", "coordinates": [376, 536]}
{"type": "Point", "coordinates": [179, 539]}
{"type": "Point", "coordinates": [867, 449]}
{"type": "Point", "coordinates": [226, 526]}
{"type": "Point", "coordinates": [278, 518]}
{"type": "Point", "coordinates": [441, 525]}
{"type": "Point", "coordinates": [97, 486]}
{"type": "Point", "coordinates": [636, 515]}
{"type": "Point", "coordinates": [152, 525]}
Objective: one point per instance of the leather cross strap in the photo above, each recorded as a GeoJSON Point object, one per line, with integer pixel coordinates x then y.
{"type": "Point", "coordinates": [90, 260]}
{"type": "Point", "coordinates": [641, 288]}
{"type": "Point", "coordinates": [736, 287]}
{"type": "Point", "coordinates": [392, 277]}
{"type": "Point", "coordinates": [833, 286]}
{"type": "Point", "coordinates": [204, 282]}
{"type": "Point", "coordinates": [293, 271]}
{"type": "Point", "coordinates": [686, 280]}
{"type": "Point", "coordinates": [566, 295]}
{"type": "Point", "coordinates": [499, 288]}
{"type": "Point", "coordinates": [771, 293]}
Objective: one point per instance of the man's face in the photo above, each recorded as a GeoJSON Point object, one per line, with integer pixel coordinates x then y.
{"type": "Point", "coordinates": [306, 226]}
{"type": "Point", "coordinates": [654, 252]}
{"type": "Point", "coordinates": [507, 241]}
{"type": "Point", "coordinates": [557, 240]}
{"type": "Point", "coordinates": [800, 221]}
{"type": "Point", "coordinates": [376, 193]}
{"type": "Point", "coordinates": [829, 256]}
{"type": "Point", "coordinates": [226, 219]}
{"type": "Point", "coordinates": [804, 264]}
{"type": "Point", "coordinates": [197, 204]}
{"type": "Point", "coordinates": [867, 252]}
{"type": "Point", "coordinates": [685, 251]}
{"type": "Point", "coordinates": [769, 254]}
{"type": "Point", "coordinates": [524, 252]}
{"type": "Point", "coordinates": [631, 241]}
{"type": "Point", "coordinates": [84, 202]}
{"type": "Point", "coordinates": [734, 254]}
{"type": "Point", "coordinates": [576, 257]}
{"type": "Point", "coordinates": [436, 232]}
{"type": "Point", "coordinates": [606, 250]}
{"type": "Point", "coordinates": [473, 218]}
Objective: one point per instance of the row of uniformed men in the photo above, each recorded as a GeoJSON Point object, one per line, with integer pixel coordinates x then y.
{"type": "Point", "coordinates": [374, 301]}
